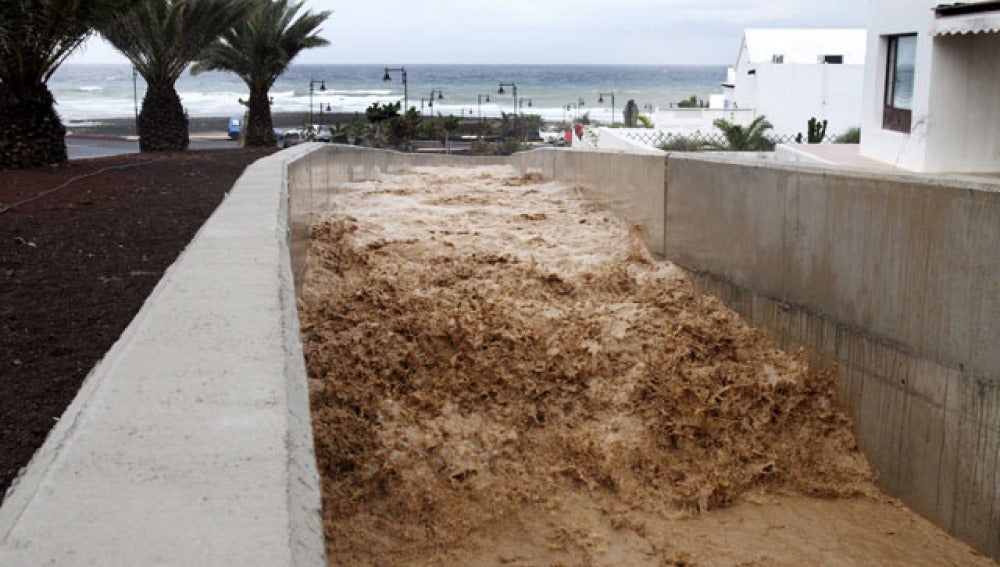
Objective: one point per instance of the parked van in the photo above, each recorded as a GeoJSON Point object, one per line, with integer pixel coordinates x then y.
{"type": "Point", "coordinates": [235, 125]}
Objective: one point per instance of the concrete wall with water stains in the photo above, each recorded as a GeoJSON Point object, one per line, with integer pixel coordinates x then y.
{"type": "Point", "coordinates": [894, 278]}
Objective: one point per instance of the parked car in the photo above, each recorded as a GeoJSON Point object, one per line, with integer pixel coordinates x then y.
{"type": "Point", "coordinates": [234, 127]}
{"type": "Point", "coordinates": [323, 134]}
{"type": "Point", "coordinates": [290, 138]}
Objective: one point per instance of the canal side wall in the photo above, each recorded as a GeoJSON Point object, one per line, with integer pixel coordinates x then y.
{"type": "Point", "coordinates": [895, 279]}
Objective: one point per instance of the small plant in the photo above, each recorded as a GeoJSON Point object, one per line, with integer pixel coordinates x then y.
{"type": "Point", "coordinates": [682, 144]}
{"type": "Point", "coordinates": [817, 131]}
{"type": "Point", "coordinates": [509, 146]}
{"type": "Point", "coordinates": [357, 128]}
{"type": "Point", "coordinates": [644, 120]}
{"type": "Point", "coordinates": [750, 138]}
{"type": "Point", "coordinates": [692, 102]}
{"type": "Point", "coordinates": [450, 125]}
{"type": "Point", "coordinates": [851, 136]}
{"type": "Point", "coordinates": [482, 148]}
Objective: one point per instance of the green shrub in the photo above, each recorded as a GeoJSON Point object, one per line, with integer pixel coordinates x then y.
{"type": "Point", "coordinates": [682, 144]}
{"type": "Point", "coordinates": [851, 136]}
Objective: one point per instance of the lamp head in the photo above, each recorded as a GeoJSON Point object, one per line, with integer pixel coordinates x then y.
{"type": "Point", "coordinates": [440, 95]}
{"type": "Point", "coordinates": [386, 78]}
{"type": "Point", "coordinates": [322, 86]}
{"type": "Point", "coordinates": [600, 99]}
{"type": "Point", "coordinates": [501, 91]}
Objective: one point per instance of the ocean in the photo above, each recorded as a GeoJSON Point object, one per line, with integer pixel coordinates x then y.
{"type": "Point", "coordinates": [88, 93]}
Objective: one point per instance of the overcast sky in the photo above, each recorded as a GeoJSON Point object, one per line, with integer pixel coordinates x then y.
{"type": "Point", "coordinates": [399, 32]}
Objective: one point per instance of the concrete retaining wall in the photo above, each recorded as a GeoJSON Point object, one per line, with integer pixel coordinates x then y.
{"type": "Point", "coordinates": [191, 442]}
{"type": "Point", "coordinates": [894, 278]}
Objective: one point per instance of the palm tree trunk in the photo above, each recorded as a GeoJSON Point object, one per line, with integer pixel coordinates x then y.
{"type": "Point", "coordinates": [163, 126]}
{"type": "Point", "coordinates": [31, 133]}
{"type": "Point", "coordinates": [260, 127]}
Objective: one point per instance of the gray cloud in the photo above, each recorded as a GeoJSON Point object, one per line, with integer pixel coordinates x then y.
{"type": "Point", "coordinates": [549, 31]}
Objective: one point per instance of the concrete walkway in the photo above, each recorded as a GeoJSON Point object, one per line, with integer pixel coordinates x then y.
{"type": "Point", "coordinates": [190, 443]}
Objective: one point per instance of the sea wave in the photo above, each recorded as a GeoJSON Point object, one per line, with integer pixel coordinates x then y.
{"type": "Point", "coordinates": [379, 92]}
{"type": "Point", "coordinates": [85, 93]}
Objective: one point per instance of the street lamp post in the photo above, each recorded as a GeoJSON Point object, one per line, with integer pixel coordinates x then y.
{"type": "Point", "coordinates": [387, 78]}
{"type": "Point", "coordinates": [435, 93]}
{"type": "Point", "coordinates": [479, 103]}
{"type": "Point", "coordinates": [513, 88]}
{"type": "Point", "coordinates": [600, 98]}
{"type": "Point", "coordinates": [312, 86]}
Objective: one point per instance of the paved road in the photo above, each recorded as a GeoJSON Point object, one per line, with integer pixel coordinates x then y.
{"type": "Point", "coordinates": [81, 148]}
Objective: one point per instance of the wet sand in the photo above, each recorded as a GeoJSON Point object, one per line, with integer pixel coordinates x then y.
{"type": "Point", "coordinates": [501, 374]}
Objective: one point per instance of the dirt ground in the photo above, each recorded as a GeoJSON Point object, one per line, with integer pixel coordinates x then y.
{"type": "Point", "coordinates": [501, 375]}
{"type": "Point", "coordinates": [76, 266]}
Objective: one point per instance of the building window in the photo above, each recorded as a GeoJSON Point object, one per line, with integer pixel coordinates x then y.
{"type": "Point", "coordinates": [833, 59]}
{"type": "Point", "coordinates": [778, 59]}
{"type": "Point", "coordinates": [900, 65]}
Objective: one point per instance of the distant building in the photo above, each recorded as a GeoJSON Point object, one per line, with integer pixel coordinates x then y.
{"type": "Point", "coordinates": [932, 86]}
{"type": "Point", "coordinates": [791, 75]}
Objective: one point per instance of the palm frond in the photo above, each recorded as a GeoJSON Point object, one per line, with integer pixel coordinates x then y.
{"type": "Point", "coordinates": [259, 48]}
{"type": "Point", "coordinates": [161, 37]}
{"type": "Point", "coordinates": [36, 36]}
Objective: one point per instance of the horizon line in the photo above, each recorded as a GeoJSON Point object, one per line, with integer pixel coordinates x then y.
{"type": "Point", "coordinates": [467, 64]}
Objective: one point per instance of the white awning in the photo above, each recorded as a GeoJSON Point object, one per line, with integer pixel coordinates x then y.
{"type": "Point", "coordinates": [969, 23]}
{"type": "Point", "coordinates": [967, 17]}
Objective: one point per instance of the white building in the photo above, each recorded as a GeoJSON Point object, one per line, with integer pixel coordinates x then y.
{"type": "Point", "coordinates": [792, 75]}
{"type": "Point", "coordinates": [932, 86]}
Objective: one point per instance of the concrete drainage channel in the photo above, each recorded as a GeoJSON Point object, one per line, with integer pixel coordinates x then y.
{"type": "Point", "coordinates": [190, 443]}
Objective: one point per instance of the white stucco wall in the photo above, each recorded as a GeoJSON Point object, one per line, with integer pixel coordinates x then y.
{"type": "Point", "coordinates": [688, 121]}
{"type": "Point", "coordinates": [956, 95]}
{"type": "Point", "coordinates": [964, 105]}
{"type": "Point", "coordinates": [745, 90]}
{"type": "Point", "coordinates": [790, 94]}
{"type": "Point", "coordinates": [894, 17]}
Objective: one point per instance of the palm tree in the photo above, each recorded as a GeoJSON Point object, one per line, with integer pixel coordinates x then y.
{"type": "Point", "coordinates": [160, 38]}
{"type": "Point", "coordinates": [36, 36]}
{"type": "Point", "coordinates": [753, 138]}
{"type": "Point", "coordinates": [259, 49]}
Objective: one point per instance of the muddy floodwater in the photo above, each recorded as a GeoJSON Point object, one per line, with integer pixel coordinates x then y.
{"type": "Point", "coordinates": [500, 374]}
